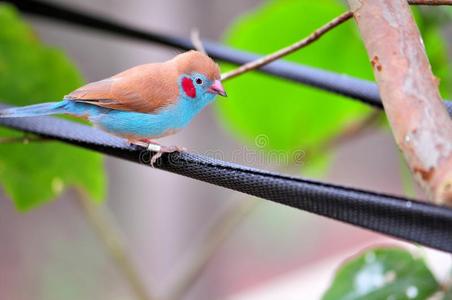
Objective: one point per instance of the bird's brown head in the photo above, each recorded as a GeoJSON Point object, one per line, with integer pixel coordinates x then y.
{"type": "Point", "coordinates": [199, 72]}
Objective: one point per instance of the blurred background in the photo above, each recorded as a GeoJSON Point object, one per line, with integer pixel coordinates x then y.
{"type": "Point", "coordinates": [52, 252]}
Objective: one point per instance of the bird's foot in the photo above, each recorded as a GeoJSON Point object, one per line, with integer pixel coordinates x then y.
{"type": "Point", "coordinates": [157, 148]}
{"type": "Point", "coordinates": [160, 149]}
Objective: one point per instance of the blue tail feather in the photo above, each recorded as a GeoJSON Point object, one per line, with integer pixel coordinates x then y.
{"type": "Point", "coordinates": [41, 109]}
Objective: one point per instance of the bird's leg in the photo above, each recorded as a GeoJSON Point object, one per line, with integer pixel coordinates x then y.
{"type": "Point", "coordinates": [157, 148]}
{"type": "Point", "coordinates": [160, 149]}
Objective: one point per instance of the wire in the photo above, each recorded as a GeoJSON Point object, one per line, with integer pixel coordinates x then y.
{"type": "Point", "coordinates": [359, 89]}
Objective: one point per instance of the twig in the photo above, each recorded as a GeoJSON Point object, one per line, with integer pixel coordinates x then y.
{"type": "Point", "coordinates": [112, 239]}
{"type": "Point", "coordinates": [290, 49]}
{"type": "Point", "coordinates": [196, 40]}
{"type": "Point", "coordinates": [215, 237]}
{"type": "Point", "coordinates": [256, 64]}
{"type": "Point", "coordinates": [430, 2]}
{"type": "Point", "coordinates": [409, 92]}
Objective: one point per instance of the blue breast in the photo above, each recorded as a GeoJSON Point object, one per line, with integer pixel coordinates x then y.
{"type": "Point", "coordinates": [146, 125]}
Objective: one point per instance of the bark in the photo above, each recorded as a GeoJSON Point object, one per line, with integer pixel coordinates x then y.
{"type": "Point", "coordinates": [409, 91]}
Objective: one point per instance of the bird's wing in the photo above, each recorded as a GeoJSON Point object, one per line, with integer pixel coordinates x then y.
{"type": "Point", "coordinates": [145, 88]}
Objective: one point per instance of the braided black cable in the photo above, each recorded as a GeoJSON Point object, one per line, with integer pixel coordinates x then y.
{"type": "Point", "coordinates": [408, 219]}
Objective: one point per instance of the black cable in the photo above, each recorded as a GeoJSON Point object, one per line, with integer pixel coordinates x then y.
{"type": "Point", "coordinates": [360, 89]}
{"type": "Point", "coordinates": [414, 221]}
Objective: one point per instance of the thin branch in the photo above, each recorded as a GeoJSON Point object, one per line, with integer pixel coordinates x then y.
{"type": "Point", "coordinates": [420, 123]}
{"type": "Point", "coordinates": [288, 50]}
{"type": "Point", "coordinates": [430, 2]}
{"type": "Point", "coordinates": [112, 239]}
{"type": "Point", "coordinates": [256, 64]}
{"type": "Point", "coordinates": [215, 238]}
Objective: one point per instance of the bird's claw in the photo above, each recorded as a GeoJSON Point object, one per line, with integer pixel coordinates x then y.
{"type": "Point", "coordinates": [159, 150]}
{"type": "Point", "coordinates": [154, 158]}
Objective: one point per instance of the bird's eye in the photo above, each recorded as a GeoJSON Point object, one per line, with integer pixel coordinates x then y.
{"type": "Point", "coordinates": [198, 81]}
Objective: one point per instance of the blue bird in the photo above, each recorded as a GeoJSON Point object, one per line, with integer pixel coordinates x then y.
{"type": "Point", "coordinates": [142, 103]}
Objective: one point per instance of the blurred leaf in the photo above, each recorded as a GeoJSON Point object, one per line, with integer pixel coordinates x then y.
{"type": "Point", "coordinates": [31, 72]}
{"type": "Point", "coordinates": [386, 273]}
{"type": "Point", "coordinates": [430, 25]}
{"type": "Point", "coordinates": [445, 13]}
{"type": "Point", "coordinates": [436, 50]}
{"type": "Point", "coordinates": [293, 116]}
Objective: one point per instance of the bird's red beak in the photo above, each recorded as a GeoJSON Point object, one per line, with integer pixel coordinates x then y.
{"type": "Point", "coordinates": [217, 88]}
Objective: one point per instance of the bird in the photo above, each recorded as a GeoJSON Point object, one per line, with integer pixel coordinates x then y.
{"type": "Point", "coordinates": [142, 103]}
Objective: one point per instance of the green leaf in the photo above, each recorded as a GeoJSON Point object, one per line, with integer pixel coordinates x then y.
{"type": "Point", "coordinates": [31, 72]}
{"type": "Point", "coordinates": [293, 116]}
{"type": "Point", "coordinates": [428, 20]}
{"type": "Point", "coordinates": [384, 273]}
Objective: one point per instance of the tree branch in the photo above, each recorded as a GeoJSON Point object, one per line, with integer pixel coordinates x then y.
{"type": "Point", "coordinates": [409, 91]}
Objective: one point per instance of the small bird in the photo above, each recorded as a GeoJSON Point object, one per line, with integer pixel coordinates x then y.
{"type": "Point", "coordinates": [142, 103]}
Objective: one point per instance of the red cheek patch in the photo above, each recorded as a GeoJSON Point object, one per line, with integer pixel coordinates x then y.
{"type": "Point", "coordinates": [188, 87]}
